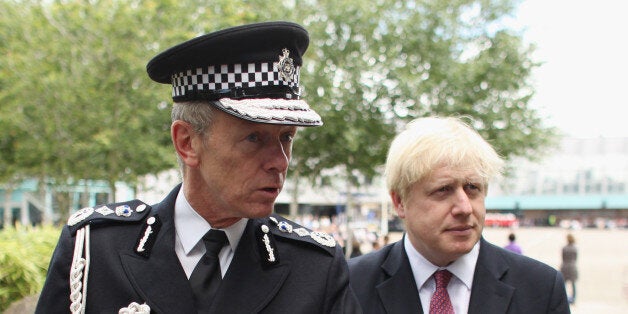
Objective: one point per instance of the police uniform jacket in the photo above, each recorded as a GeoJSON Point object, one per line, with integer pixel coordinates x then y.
{"type": "Point", "coordinates": [504, 282]}
{"type": "Point", "coordinates": [129, 264]}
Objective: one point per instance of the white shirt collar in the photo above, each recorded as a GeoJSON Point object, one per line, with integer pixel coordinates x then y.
{"type": "Point", "coordinates": [464, 267]}
{"type": "Point", "coordinates": [191, 227]}
{"type": "Point", "coordinates": [422, 269]}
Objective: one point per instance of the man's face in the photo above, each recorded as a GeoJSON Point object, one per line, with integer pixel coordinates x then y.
{"type": "Point", "coordinates": [444, 214]}
{"type": "Point", "coordinates": [242, 166]}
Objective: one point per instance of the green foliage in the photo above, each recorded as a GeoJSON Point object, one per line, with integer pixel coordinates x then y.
{"type": "Point", "coordinates": [24, 261]}
{"type": "Point", "coordinates": [75, 100]}
{"type": "Point", "coordinates": [372, 66]}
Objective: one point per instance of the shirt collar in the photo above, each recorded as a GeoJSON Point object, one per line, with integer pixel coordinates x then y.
{"type": "Point", "coordinates": [464, 267]}
{"type": "Point", "coordinates": [422, 269]}
{"type": "Point", "coordinates": [191, 227]}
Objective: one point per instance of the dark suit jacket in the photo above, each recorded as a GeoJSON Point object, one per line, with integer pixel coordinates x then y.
{"type": "Point", "coordinates": [308, 277]}
{"type": "Point", "coordinates": [504, 282]}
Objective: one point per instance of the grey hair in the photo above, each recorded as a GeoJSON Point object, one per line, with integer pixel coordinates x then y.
{"type": "Point", "coordinates": [197, 113]}
{"type": "Point", "coordinates": [426, 143]}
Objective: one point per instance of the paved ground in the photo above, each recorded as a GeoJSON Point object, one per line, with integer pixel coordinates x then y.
{"type": "Point", "coordinates": [602, 262]}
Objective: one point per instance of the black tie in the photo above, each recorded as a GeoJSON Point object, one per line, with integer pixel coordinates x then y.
{"type": "Point", "coordinates": [206, 277]}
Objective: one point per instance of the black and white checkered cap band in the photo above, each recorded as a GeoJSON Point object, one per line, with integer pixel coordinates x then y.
{"type": "Point", "coordinates": [229, 77]}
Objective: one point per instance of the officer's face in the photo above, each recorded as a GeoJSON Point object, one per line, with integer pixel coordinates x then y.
{"type": "Point", "coordinates": [243, 166]}
{"type": "Point", "coordinates": [444, 214]}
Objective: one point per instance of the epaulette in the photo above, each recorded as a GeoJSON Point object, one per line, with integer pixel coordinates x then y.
{"type": "Point", "coordinates": [131, 211]}
{"type": "Point", "coordinates": [281, 227]}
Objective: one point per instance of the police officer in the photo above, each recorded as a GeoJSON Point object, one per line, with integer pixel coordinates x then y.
{"type": "Point", "coordinates": [213, 244]}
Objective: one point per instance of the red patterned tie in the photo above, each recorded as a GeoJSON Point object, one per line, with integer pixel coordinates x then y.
{"type": "Point", "coordinates": [440, 303]}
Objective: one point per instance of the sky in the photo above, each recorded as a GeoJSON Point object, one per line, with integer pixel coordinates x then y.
{"type": "Point", "coordinates": [582, 84]}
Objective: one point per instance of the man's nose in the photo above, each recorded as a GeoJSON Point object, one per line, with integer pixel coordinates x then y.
{"type": "Point", "coordinates": [278, 157]}
{"type": "Point", "coordinates": [462, 203]}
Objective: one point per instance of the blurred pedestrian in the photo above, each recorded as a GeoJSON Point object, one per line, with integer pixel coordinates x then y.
{"type": "Point", "coordinates": [512, 245]}
{"type": "Point", "coordinates": [568, 267]}
{"type": "Point", "coordinates": [386, 240]}
{"type": "Point", "coordinates": [376, 245]}
{"type": "Point", "coordinates": [356, 250]}
{"type": "Point", "coordinates": [437, 174]}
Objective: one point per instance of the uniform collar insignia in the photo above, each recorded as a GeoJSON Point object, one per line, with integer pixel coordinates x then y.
{"type": "Point", "coordinates": [148, 235]}
{"type": "Point", "coordinates": [267, 246]}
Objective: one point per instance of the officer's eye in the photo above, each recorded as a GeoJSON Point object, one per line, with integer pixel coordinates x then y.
{"type": "Point", "coordinates": [254, 137]}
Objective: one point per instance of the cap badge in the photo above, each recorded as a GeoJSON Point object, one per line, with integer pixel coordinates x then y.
{"type": "Point", "coordinates": [286, 66]}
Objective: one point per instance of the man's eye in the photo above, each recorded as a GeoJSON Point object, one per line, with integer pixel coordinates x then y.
{"type": "Point", "coordinates": [253, 138]}
{"type": "Point", "coordinates": [473, 188]}
{"type": "Point", "coordinates": [443, 189]}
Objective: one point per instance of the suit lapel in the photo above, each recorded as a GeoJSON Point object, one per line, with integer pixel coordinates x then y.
{"type": "Point", "coordinates": [399, 293]}
{"type": "Point", "coordinates": [160, 279]}
{"type": "Point", "coordinates": [247, 277]}
{"type": "Point", "coordinates": [489, 294]}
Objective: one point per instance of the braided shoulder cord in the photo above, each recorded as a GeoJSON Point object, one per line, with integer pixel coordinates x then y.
{"type": "Point", "coordinates": [79, 271]}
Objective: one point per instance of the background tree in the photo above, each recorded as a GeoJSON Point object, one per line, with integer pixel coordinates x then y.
{"type": "Point", "coordinates": [77, 93]}
{"type": "Point", "coordinates": [79, 104]}
{"type": "Point", "coordinates": [11, 135]}
{"type": "Point", "coordinates": [372, 66]}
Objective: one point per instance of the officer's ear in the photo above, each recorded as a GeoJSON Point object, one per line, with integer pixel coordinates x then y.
{"type": "Point", "coordinates": [183, 138]}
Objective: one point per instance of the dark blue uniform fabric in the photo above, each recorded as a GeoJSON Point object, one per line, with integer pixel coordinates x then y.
{"type": "Point", "coordinates": [307, 277]}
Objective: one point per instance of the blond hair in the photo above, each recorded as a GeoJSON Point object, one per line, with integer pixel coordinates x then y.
{"type": "Point", "coordinates": [427, 143]}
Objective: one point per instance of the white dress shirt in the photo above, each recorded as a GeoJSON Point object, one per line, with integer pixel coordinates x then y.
{"type": "Point", "coordinates": [459, 287]}
{"type": "Point", "coordinates": [190, 228]}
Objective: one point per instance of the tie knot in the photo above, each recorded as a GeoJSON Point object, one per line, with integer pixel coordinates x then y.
{"type": "Point", "coordinates": [214, 241]}
{"type": "Point", "coordinates": [442, 278]}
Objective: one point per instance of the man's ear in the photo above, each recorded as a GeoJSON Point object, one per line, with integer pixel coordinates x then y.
{"type": "Point", "coordinates": [183, 136]}
{"type": "Point", "coordinates": [398, 204]}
